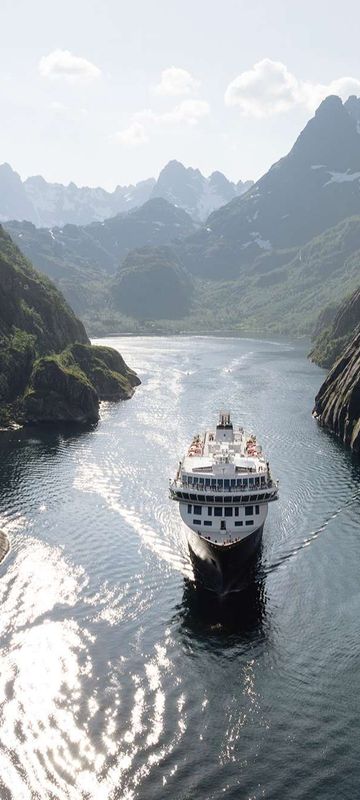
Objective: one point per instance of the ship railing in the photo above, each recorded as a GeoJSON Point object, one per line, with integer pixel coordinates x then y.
{"type": "Point", "coordinates": [178, 484]}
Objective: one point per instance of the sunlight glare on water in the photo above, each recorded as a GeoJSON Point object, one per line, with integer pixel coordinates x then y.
{"type": "Point", "coordinates": [119, 679]}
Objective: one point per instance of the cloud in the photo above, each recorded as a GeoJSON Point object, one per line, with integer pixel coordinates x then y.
{"type": "Point", "coordinates": [188, 112]}
{"type": "Point", "coordinates": [67, 112]}
{"type": "Point", "coordinates": [133, 136]}
{"type": "Point", "coordinates": [63, 64]}
{"type": "Point", "coordinates": [175, 82]}
{"type": "Point", "coordinates": [270, 88]}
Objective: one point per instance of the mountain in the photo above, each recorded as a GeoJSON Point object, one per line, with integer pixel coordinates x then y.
{"type": "Point", "coordinates": [199, 196]}
{"type": "Point", "coordinates": [335, 329]}
{"type": "Point", "coordinates": [79, 258]}
{"type": "Point", "coordinates": [48, 369]}
{"type": "Point", "coordinates": [337, 404]}
{"type": "Point", "coordinates": [152, 284]}
{"type": "Point", "coordinates": [14, 202]}
{"type": "Point", "coordinates": [305, 193]}
{"type": "Point", "coordinates": [49, 205]}
{"type": "Point", "coordinates": [52, 204]}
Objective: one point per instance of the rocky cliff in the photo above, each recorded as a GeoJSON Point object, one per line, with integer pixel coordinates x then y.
{"type": "Point", "coordinates": [49, 371]}
{"type": "Point", "coordinates": [336, 327]}
{"type": "Point", "coordinates": [337, 404]}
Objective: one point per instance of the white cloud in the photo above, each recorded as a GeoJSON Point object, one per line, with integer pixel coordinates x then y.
{"type": "Point", "coordinates": [270, 88]}
{"type": "Point", "coordinates": [176, 81]}
{"type": "Point", "coordinates": [133, 136]}
{"type": "Point", "coordinates": [188, 112]}
{"type": "Point", "coordinates": [67, 111]}
{"type": "Point", "coordinates": [63, 64]}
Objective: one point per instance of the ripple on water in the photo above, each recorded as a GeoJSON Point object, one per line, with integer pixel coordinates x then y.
{"type": "Point", "coordinates": [118, 680]}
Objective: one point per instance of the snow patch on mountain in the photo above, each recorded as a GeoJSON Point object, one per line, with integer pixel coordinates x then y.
{"type": "Point", "coordinates": [342, 177]}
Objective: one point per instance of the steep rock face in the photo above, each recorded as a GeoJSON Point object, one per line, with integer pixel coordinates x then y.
{"type": "Point", "coordinates": [107, 371]}
{"type": "Point", "coordinates": [37, 382]}
{"type": "Point", "coordinates": [336, 333]}
{"type": "Point", "coordinates": [308, 191]}
{"type": "Point", "coordinates": [31, 303]}
{"type": "Point", "coordinates": [58, 393]}
{"type": "Point", "coordinates": [337, 404]}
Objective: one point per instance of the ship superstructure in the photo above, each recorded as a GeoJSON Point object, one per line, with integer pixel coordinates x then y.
{"type": "Point", "coordinates": [223, 486]}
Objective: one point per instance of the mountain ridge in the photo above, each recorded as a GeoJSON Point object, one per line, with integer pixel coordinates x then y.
{"type": "Point", "coordinates": [47, 204]}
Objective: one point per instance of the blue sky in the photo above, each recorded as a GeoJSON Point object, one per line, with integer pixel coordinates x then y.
{"type": "Point", "coordinates": [103, 92]}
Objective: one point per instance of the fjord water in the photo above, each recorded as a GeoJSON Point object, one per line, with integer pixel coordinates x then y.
{"type": "Point", "coordinates": [118, 679]}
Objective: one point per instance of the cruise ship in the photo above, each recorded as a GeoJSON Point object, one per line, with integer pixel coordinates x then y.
{"type": "Point", "coordinates": [223, 486]}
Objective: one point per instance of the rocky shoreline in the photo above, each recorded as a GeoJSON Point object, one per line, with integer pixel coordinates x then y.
{"type": "Point", "coordinates": [49, 370]}
{"type": "Point", "coordinates": [337, 404]}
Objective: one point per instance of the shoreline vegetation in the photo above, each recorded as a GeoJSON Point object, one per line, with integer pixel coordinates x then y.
{"type": "Point", "coordinates": [49, 371]}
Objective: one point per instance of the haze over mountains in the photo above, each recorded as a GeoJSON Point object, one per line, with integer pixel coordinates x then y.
{"type": "Point", "coordinates": [53, 204]}
{"type": "Point", "coordinates": [268, 260]}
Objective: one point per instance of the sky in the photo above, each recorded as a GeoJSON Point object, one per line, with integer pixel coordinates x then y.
{"type": "Point", "coordinates": [106, 92]}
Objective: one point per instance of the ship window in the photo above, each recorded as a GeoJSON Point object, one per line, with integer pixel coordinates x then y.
{"type": "Point", "coordinates": [207, 522]}
{"type": "Point", "coordinates": [237, 500]}
{"type": "Point", "coordinates": [189, 508]}
{"type": "Point", "coordinates": [185, 496]}
{"type": "Point", "coordinates": [209, 498]}
{"type": "Point", "coordinates": [227, 499]}
{"type": "Point", "coordinates": [245, 498]}
{"type": "Point", "coordinates": [207, 481]}
{"type": "Point", "coordinates": [220, 499]}
{"type": "Point", "coordinates": [236, 511]}
{"type": "Point", "coordinates": [249, 522]}
{"type": "Point", "coordinates": [190, 479]}
{"type": "Point", "coordinates": [256, 481]}
{"type": "Point", "coordinates": [251, 481]}
{"type": "Point", "coordinates": [201, 497]}
{"type": "Point", "coordinates": [213, 482]}
{"type": "Point", "coordinates": [266, 496]}
{"type": "Point", "coordinates": [245, 483]}
{"type": "Point", "coordinates": [201, 481]}
{"type": "Point", "coordinates": [223, 525]}
{"type": "Point", "coordinates": [217, 511]}
{"type": "Point", "coordinates": [193, 497]}
{"type": "Point", "coordinates": [209, 511]}
{"type": "Point", "coordinates": [197, 521]}
{"type": "Point", "coordinates": [220, 484]}
{"type": "Point", "coordinates": [226, 483]}
{"type": "Point", "coordinates": [248, 511]}
{"type": "Point", "coordinates": [228, 512]}
{"type": "Point", "coordinates": [238, 522]}
{"type": "Point", "coordinates": [238, 482]}
{"type": "Point", "coordinates": [232, 482]}
{"type": "Point", "coordinates": [257, 510]}
{"type": "Point", "coordinates": [197, 510]}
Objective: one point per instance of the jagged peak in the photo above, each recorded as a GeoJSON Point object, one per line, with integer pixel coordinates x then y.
{"type": "Point", "coordinates": [330, 104]}
{"type": "Point", "coordinates": [352, 106]}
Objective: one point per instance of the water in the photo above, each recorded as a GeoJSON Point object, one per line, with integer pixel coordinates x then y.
{"type": "Point", "coordinates": [117, 679]}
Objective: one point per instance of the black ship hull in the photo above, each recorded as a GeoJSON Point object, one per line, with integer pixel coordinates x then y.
{"type": "Point", "coordinates": [224, 569]}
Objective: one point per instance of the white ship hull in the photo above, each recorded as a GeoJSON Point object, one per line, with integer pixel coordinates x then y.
{"type": "Point", "coordinates": [223, 487]}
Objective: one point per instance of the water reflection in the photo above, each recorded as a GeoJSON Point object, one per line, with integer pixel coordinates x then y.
{"type": "Point", "coordinates": [204, 613]}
